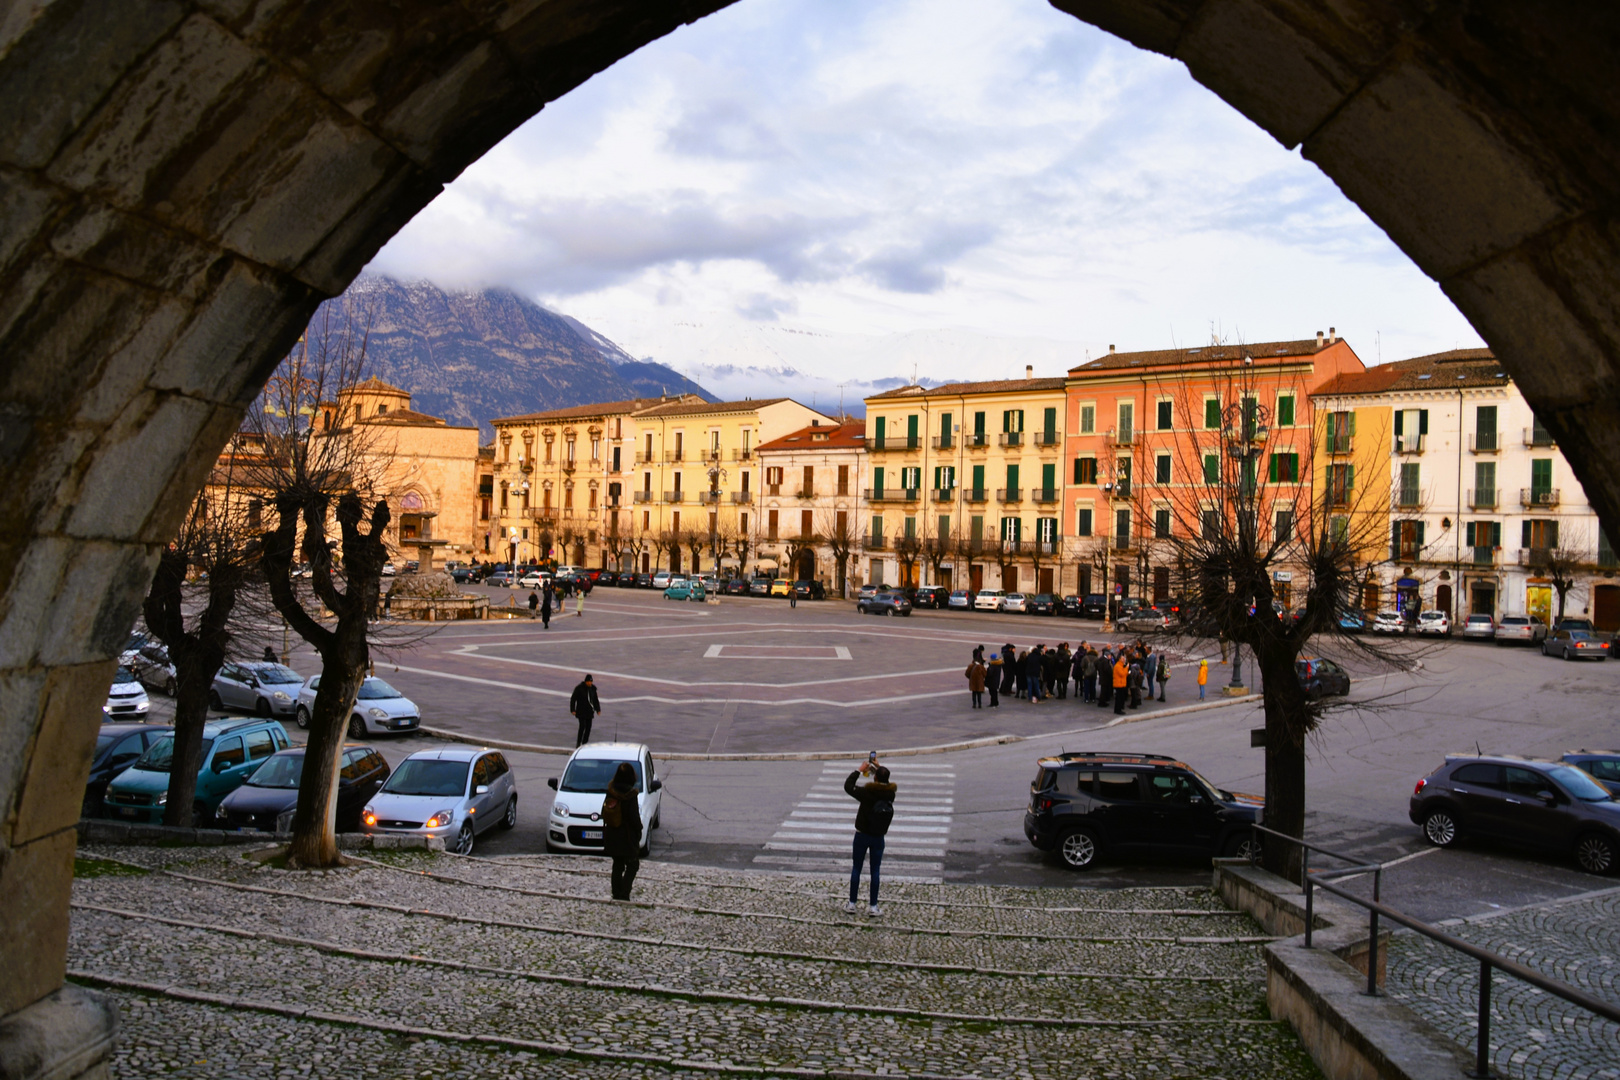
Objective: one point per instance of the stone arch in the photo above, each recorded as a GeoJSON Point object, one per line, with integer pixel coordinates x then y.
{"type": "Point", "coordinates": [182, 182]}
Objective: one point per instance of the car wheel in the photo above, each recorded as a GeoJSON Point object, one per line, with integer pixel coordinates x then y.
{"type": "Point", "coordinates": [1596, 854]}
{"type": "Point", "coordinates": [214, 702]}
{"type": "Point", "coordinates": [357, 727]}
{"type": "Point", "coordinates": [1078, 849]}
{"type": "Point", "coordinates": [1244, 846]}
{"type": "Point", "coordinates": [303, 717]}
{"type": "Point", "coordinates": [199, 816]}
{"type": "Point", "coordinates": [1440, 828]}
{"type": "Point", "coordinates": [654, 824]}
{"type": "Point", "coordinates": [509, 819]}
{"type": "Point", "coordinates": [887, 612]}
{"type": "Point", "coordinates": [261, 707]}
{"type": "Point", "coordinates": [169, 687]}
{"type": "Point", "coordinates": [1544, 648]}
{"type": "Point", "coordinates": [464, 840]}
{"type": "Point", "coordinates": [1567, 655]}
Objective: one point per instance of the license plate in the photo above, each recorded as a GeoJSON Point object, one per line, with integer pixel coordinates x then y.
{"type": "Point", "coordinates": [590, 834]}
{"type": "Point", "coordinates": [127, 811]}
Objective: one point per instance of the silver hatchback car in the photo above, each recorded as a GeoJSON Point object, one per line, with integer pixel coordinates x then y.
{"type": "Point", "coordinates": [453, 794]}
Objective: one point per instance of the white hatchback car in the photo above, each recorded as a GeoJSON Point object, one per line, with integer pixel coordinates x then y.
{"type": "Point", "coordinates": [126, 699]}
{"type": "Point", "coordinates": [1388, 622]}
{"type": "Point", "coordinates": [576, 812]}
{"type": "Point", "coordinates": [533, 579]}
{"type": "Point", "coordinates": [379, 709]}
{"type": "Point", "coordinates": [990, 600]}
{"type": "Point", "coordinates": [453, 794]}
{"type": "Point", "coordinates": [1016, 601]}
{"type": "Point", "coordinates": [661, 580]}
{"type": "Point", "coordinates": [1434, 622]}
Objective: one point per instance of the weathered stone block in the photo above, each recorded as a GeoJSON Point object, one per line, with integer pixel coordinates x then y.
{"type": "Point", "coordinates": [91, 614]}
{"type": "Point", "coordinates": [132, 247]}
{"type": "Point", "coordinates": [25, 207]}
{"type": "Point", "coordinates": [21, 692]}
{"type": "Point", "coordinates": [37, 881]}
{"type": "Point", "coordinates": [59, 759]}
{"type": "Point", "coordinates": [382, 213]}
{"type": "Point", "coordinates": [67, 1035]}
{"type": "Point", "coordinates": [35, 582]}
{"type": "Point", "coordinates": [179, 494]}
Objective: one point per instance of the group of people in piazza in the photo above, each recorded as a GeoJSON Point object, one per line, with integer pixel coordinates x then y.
{"type": "Point", "coordinates": [1123, 674]}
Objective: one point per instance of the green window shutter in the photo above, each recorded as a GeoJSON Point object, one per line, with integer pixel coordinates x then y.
{"type": "Point", "coordinates": [1048, 477]}
{"type": "Point", "coordinates": [1423, 421]}
{"type": "Point", "coordinates": [1012, 477]}
{"type": "Point", "coordinates": [1330, 420]}
{"type": "Point", "coordinates": [880, 427]}
{"type": "Point", "coordinates": [1496, 534]}
{"type": "Point", "coordinates": [1552, 534]}
{"type": "Point", "coordinates": [1077, 479]}
{"type": "Point", "coordinates": [1352, 416]}
{"type": "Point", "coordinates": [1419, 525]}
{"type": "Point", "coordinates": [1400, 422]}
{"type": "Point", "coordinates": [1212, 413]}
{"type": "Point", "coordinates": [877, 478]}
{"type": "Point", "coordinates": [937, 484]}
{"type": "Point", "coordinates": [978, 423]}
{"type": "Point", "coordinates": [1006, 420]}
{"type": "Point", "coordinates": [1394, 539]}
{"type": "Point", "coordinates": [1082, 524]}
{"type": "Point", "coordinates": [944, 426]}
{"type": "Point", "coordinates": [1212, 468]}
{"type": "Point", "coordinates": [1049, 421]}
{"type": "Point", "coordinates": [1471, 534]}
{"type": "Point", "coordinates": [976, 527]}
{"type": "Point", "coordinates": [944, 526]}
{"type": "Point", "coordinates": [877, 524]}
{"type": "Point", "coordinates": [1541, 473]}
{"type": "Point", "coordinates": [1285, 411]}
{"type": "Point", "coordinates": [978, 478]}
{"type": "Point", "coordinates": [1524, 535]}
{"type": "Point", "coordinates": [1272, 475]}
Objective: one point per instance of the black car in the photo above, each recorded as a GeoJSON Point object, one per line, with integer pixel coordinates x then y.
{"type": "Point", "coordinates": [1604, 765]}
{"type": "Point", "coordinates": [1043, 603]}
{"type": "Point", "coordinates": [934, 597]}
{"type": "Point", "coordinates": [117, 747]}
{"type": "Point", "coordinates": [461, 575]}
{"type": "Point", "coordinates": [272, 790]}
{"type": "Point", "coordinates": [809, 590]}
{"type": "Point", "coordinates": [1542, 805]}
{"type": "Point", "coordinates": [1069, 607]}
{"type": "Point", "coordinates": [1094, 606]}
{"type": "Point", "coordinates": [884, 603]}
{"type": "Point", "coordinates": [579, 581]}
{"type": "Point", "coordinates": [627, 579]}
{"type": "Point", "coordinates": [760, 586]}
{"type": "Point", "coordinates": [644, 581]}
{"type": "Point", "coordinates": [607, 578]}
{"type": "Point", "coordinates": [1321, 678]}
{"type": "Point", "coordinates": [1082, 804]}
{"type": "Point", "coordinates": [737, 586]}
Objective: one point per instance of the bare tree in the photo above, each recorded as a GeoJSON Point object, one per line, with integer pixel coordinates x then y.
{"type": "Point", "coordinates": [695, 540]}
{"type": "Point", "coordinates": [907, 551]}
{"type": "Point", "coordinates": [794, 548]}
{"type": "Point", "coordinates": [320, 471]}
{"type": "Point", "coordinates": [936, 549]}
{"type": "Point", "coordinates": [665, 543]}
{"type": "Point", "coordinates": [1005, 554]}
{"type": "Point", "coordinates": [841, 535]}
{"type": "Point", "coordinates": [1561, 566]}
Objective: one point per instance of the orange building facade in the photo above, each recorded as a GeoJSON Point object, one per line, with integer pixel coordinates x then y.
{"type": "Point", "coordinates": [1150, 442]}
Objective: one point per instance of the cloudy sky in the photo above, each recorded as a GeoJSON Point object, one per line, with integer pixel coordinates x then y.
{"type": "Point", "coordinates": [855, 172]}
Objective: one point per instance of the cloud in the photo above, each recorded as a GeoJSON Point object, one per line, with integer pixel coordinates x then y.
{"type": "Point", "coordinates": [763, 308]}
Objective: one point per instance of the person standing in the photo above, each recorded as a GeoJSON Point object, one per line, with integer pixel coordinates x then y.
{"type": "Point", "coordinates": [992, 678]}
{"type": "Point", "coordinates": [1105, 678]}
{"type": "Point", "coordinates": [975, 678]}
{"type": "Point", "coordinates": [584, 704]}
{"type": "Point", "coordinates": [793, 594]}
{"type": "Point", "coordinates": [1009, 670]}
{"type": "Point", "coordinates": [621, 828]}
{"type": "Point", "coordinates": [872, 822]}
{"type": "Point", "coordinates": [1032, 675]}
{"type": "Point", "coordinates": [1087, 668]}
{"type": "Point", "coordinates": [1150, 667]}
{"type": "Point", "coordinates": [579, 599]}
{"type": "Point", "coordinates": [534, 603]}
{"type": "Point", "coordinates": [269, 655]}
{"type": "Point", "coordinates": [1060, 673]}
{"type": "Point", "coordinates": [1134, 679]}
{"type": "Point", "coordinates": [1122, 678]}
{"type": "Point", "coordinates": [545, 605]}
{"type": "Point", "coordinates": [1163, 672]}
{"type": "Point", "coordinates": [1203, 677]}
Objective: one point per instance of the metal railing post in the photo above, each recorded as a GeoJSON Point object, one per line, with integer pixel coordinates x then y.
{"type": "Point", "coordinates": [1482, 1055]}
{"type": "Point", "coordinates": [1372, 936]}
{"type": "Point", "coordinates": [1310, 910]}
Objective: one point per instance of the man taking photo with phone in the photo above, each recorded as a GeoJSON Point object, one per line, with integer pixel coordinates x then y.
{"type": "Point", "coordinates": [869, 785]}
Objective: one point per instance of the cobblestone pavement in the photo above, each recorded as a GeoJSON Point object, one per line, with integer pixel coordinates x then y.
{"type": "Point", "coordinates": [1534, 1035]}
{"type": "Point", "coordinates": [433, 965]}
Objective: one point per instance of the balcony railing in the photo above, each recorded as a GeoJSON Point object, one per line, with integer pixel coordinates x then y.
{"type": "Point", "coordinates": [644, 458]}
{"type": "Point", "coordinates": [1533, 497]}
{"type": "Point", "coordinates": [1341, 444]}
{"type": "Point", "coordinates": [1012, 438]}
{"type": "Point", "coordinates": [1405, 552]}
{"type": "Point", "coordinates": [1120, 542]}
{"type": "Point", "coordinates": [976, 495]}
{"type": "Point", "coordinates": [1484, 556]}
{"type": "Point", "coordinates": [894, 442]}
{"type": "Point", "coordinates": [872, 543]}
{"type": "Point", "coordinates": [570, 466]}
{"type": "Point", "coordinates": [675, 455]}
{"type": "Point", "coordinates": [643, 496]}
{"type": "Point", "coordinates": [1482, 499]}
{"type": "Point", "coordinates": [1044, 495]}
{"type": "Point", "coordinates": [612, 502]}
{"type": "Point", "coordinates": [805, 493]}
{"type": "Point", "coordinates": [742, 496]}
{"type": "Point", "coordinates": [1484, 442]}
{"type": "Point", "coordinates": [1535, 556]}
{"type": "Point", "coordinates": [710, 498]}
{"type": "Point", "coordinates": [1410, 444]}
{"type": "Point", "coordinates": [1009, 495]}
{"type": "Point", "coordinates": [714, 453]}
{"type": "Point", "coordinates": [1538, 436]}
{"type": "Point", "coordinates": [1119, 491]}
{"type": "Point", "coordinates": [1120, 437]}
{"type": "Point", "coordinates": [944, 442]}
{"type": "Point", "coordinates": [944, 495]}
{"type": "Point", "coordinates": [674, 496]}
{"type": "Point", "coordinates": [742, 455]}
{"type": "Point", "coordinates": [1408, 497]}
{"type": "Point", "coordinates": [1046, 438]}
{"type": "Point", "coordinates": [976, 440]}
{"type": "Point", "coordinates": [773, 490]}
{"type": "Point", "coordinates": [894, 494]}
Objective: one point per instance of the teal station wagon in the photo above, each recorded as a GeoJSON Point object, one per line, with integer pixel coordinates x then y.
{"type": "Point", "coordinates": [231, 751]}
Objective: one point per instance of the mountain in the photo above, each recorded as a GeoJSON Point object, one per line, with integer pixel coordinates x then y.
{"type": "Point", "coordinates": [471, 356]}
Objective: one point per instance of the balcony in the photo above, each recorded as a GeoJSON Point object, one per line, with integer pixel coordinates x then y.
{"type": "Point", "coordinates": [945, 495]}
{"type": "Point", "coordinates": [1483, 556]}
{"type": "Point", "coordinates": [1410, 444]}
{"type": "Point", "coordinates": [1009, 495]}
{"type": "Point", "coordinates": [613, 502]}
{"type": "Point", "coordinates": [615, 470]}
{"type": "Point", "coordinates": [644, 458]}
{"type": "Point", "coordinates": [1535, 556]}
{"type": "Point", "coordinates": [872, 543]}
{"type": "Point", "coordinates": [1047, 440]}
{"type": "Point", "coordinates": [1044, 495]}
{"type": "Point", "coordinates": [1531, 497]}
{"type": "Point", "coordinates": [977, 440]}
{"type": "Point", "coordinates": [569, 467]}
{"type": "Point", "coordinates": [1120, 491]}
{"type": "Point", "coordinates": [674, 456]}
{"type": "Point", "coordinates": [1120, 437]}
{"type": "Point", "coordinates": [742, 497]}
{"type": "Point", "coordinates": [805, 493]}
{"type": "Point", "coordinates": [712, 454]}
{"type": "Point", "coordinates": [742, 455]}
{"type": "Point", "coordinates": [526, 464]}
{"type": "Point", "coordinates": [674, 496]}
{"type": "Point", "coordinates": [1407, 498]}
{"type": "Point", "coordinates": [1120, 542]}
{"type": "Point", "coordinates": [1485, 442]}
{"type": "Point", "coordinates": [893, 442]}
{"type": "Point", "coordinates": [976, 495]}
{"type": "Point", "coordinates": [1012, 438]}
{"type": "Point", "coordinates": [711, 498]}
{"type": "Point", "coordinates": [1482, 499]}
{"type": "Point", "coordinates": [888, 494]}
{"type": "Point", "coordinates": [1538, 436]}
{"type": "Point", "coordinates": [543, 515]}
{"type": "Point", "coordinates": [1406, 553]}
{"type": "Point", "coordinates": [1340, 445]}
{"type": "Point", "coordinates": [643, 496]}
{"type": "Point", "coordinates": [944, 442]}
{"type": "Point", "coordinates": [773, 490]}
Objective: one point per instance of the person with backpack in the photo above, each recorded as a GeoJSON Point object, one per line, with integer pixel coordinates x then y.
{"type": "Point", "coordinates": [975, 676]}
{"type": "Point", "coordinates": [621, 828]}
{"type": "Point", "coordinates": [992, 679]}
{"type": "Point", "coordinates": [534, 603]}
{"type": "Point", "coordinates": [872, 820]}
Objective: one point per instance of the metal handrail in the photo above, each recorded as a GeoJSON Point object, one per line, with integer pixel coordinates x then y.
{"type": "Point", "coordinates": [1487, 959]}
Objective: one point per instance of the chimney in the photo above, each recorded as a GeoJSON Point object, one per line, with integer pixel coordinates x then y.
{"type": "Point", "coordinates": [1029, 371]}
{"type": "Point", "coordinates": [1110, 350]}
{"type": "Point", "coordinates": [1319, 339]}
{"type": "Point", "coordinates": [1333, 335]}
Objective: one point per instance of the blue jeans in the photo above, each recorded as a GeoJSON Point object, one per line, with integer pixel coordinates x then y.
{"type": "Point", "coordinates": [865, 842]}
{"type": "Point", "coordinates": [1034, 684]}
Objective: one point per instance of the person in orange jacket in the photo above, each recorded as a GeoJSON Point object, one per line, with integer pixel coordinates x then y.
{"type": "Point", "coordinates": [1203, 677]}
{"type": "Point", "coordinates": [1122, 678]}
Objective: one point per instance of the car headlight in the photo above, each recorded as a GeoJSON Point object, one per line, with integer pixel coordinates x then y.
{"type": "Point", "coordinates": [281, 695]}
{"type": "Point", "coordinates": [161, 800]}
{"type": "Point", "coordinates": [439, 820]}
{"type": "Point", "coordinates": [369, 816]}
{"type": "Point", "coordinates": [220, 813]}
{"type": "Point", "coordinates": [106, 708]}
{"type": "Point", "coordinates": [559, 809]}
{"type": "Point", "coordinates": [377, 714]}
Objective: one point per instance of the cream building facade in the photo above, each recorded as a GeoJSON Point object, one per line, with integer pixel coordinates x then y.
{"type": "Point", "coordinates": [810, 504]}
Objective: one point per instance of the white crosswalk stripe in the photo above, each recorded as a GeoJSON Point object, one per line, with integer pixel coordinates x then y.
{"type": "Point", "coordinates": [816, 836]}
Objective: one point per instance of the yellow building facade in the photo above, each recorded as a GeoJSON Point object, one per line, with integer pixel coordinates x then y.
{"type": "Point", "coordinates": [1350, 474]}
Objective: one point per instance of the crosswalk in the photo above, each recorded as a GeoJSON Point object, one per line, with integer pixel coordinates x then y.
{"type": "Point", "coordinates": [816, 836]}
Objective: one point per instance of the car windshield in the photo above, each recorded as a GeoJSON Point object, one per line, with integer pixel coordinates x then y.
{"type": "Point", "coordinates": [1579, 784]}
{"type": "Point", "coordinates": [159, 757]}
{"type": "Point", "coordinates": [1479, 618]}
{"type": "Point", "coordinates": [428, 776]}
{"type": "Point", "coordinates": [1579, 635]}
{"type": "Point", "coordinates": [124, 675]}
{"type": "Point", "coordinates": [374, 689]}
{"type": "Point", "coordinates": [281, 771]}
{"type": "Point", "coordinates": [275, 673]}
{"type": "Point", "coordinates": [1513, 620]}
{"type": "Point", "coordinates": [1431, 616]}
{"type": "Point", "coordinates": [591, 775]}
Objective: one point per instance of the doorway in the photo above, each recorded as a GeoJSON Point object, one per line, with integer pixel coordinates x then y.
{"type": "Point", "coordinates": [1482, 600]}
{"type": "Point", "coordinates": [1538, 601]}
{"type": "Point", "coordinates": [807, 566]}
{"type": "Point", "coordinates": [976, 577]}
{"type": "Point", "coordinates": [1045, 583]}
{"type": "Point", "coordinates": [1161, 583]}
{"type": "Point", "coordinates": [943, 578]}
{"type": "Point", "coordinates": [1442, 599]}
{"type": "Point", "coordinates": [1606, 607]}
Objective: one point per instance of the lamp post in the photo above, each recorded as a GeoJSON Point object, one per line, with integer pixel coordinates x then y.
{"type": "Point", "coordinates": [717, 476]}
{"type": "Point", "coordinates": [1245, 425]}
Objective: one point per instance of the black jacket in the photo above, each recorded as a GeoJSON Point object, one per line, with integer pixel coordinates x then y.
{"type": "Point", "coordinates": [866, 795]}
{"type": "Point", "coordinates": [624, 840]}
{"type": "Point", "coordinates": [584, 702]}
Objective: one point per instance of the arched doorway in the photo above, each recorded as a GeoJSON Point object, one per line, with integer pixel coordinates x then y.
{"type": "Point", "coordinates": [806, 567]}
{"type": "Point", "coordinates": [1442, 599]}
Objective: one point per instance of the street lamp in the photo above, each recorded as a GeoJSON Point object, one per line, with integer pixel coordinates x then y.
{"type": "Point", "coordinates": [717, 476]}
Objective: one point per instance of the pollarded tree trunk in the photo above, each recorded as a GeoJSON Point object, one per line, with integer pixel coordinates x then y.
{"type": "Point", "coordinates": [343, 669]}
{"type": "Point", "coordinates": [194, 669]}
{"type": "Point", "coordinates": [1288, 722]}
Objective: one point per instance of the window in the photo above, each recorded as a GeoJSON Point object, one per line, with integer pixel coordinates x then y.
{"type": "Point", "coordinates": [944, 478]}
{"type": "Point", "coordinates": [1539, 435]}
{"type": "Point", "coordinates": [1284, 526]}
{"type": "Point", "coordinates": [1118, 787]}
{"type": "Point", "coordinates": [1341, 428]}
{"type": "Point", "coordinates": [1341, 480]}
{"type": "Point", "coordinates": [1166, 417]}
{"type": "Point", "coordinates": [843, 480]}
{"type": "Point", "coordinates": [1539, 533]}
{"type": "Point", "coordinates": [259, 745]}
{"type": "Point", "coordinates": [1212, 468]}
{"type": "Point", "coordinates": [1012, 530]}
{"type": "Point", "coordinates": [1484, 484]}
{"type": "Point", "coordinates": [1012, 420]}
{"type": "Point", "coordinates": [1479, 776]}
{"type": "Point", "coordinates": [1212, 413]}
{"type": "Point", "coordinates": [809, 485]}
{"type": "Point", "coordinates": [1540, 479]}
{"type": "Point", "coordinates": [230, 754]}
{"type": "Point", "coordinates": [806, 524]}
{"type": "Point", "coordinates": [1088, 419]}
{"type": "Point", "coordinates": [1122, 527]}
{"type": "Point", "coordinates": [910, 527]}
{"type": "Point", "coordinates": [1212, 524]}
{"type": "Point", "coordinates": [1410, 427]}
{"type": "Point", "coordinates": [1161, 469]}
{"type": "Point", "coordinates": [911, 477]}
{"type": "Point", "coordinates": [877, 525]}
{"type": "Point", "coordinates": [1284, 469]}
{"type": "Point", "coordinates": [1285, 410]}
{"type": "Point", "coordinates": [1012, 481]}
{"type": "Point", "coordinates": [1484, 537]}
{"type": "Point", "coordinates": [1405, 539]}
{"type": "Point", "coordinates": [1049, 425]}
{"type": "Point", "coordinates": [1082, 521]}
{"type": "Point", "coordinates": [1085, 470]}
{"type": "Point", "coordinates": [772, 524]}
{"type": "Point", "coordinates": [1485, 427]}
{"type": "Point", "coordinates": [942, 527]}
{"type": "Point", "coordinates": [1410, 484]}
{"type": "Point", "coordinates": [1161, 523]}
{"type": "Point", "coordinates": [1605, 553]}
{"type": "Point", "coordinates": [1127, 421]}
{"type": "Point", "coordinates": [1046, 530]}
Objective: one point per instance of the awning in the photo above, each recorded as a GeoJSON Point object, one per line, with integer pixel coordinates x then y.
{"type": "Point", "coordinates": [730, 560]}
{"type": "Point", "coordinates": [763, 563]}
{"type": "Point", "coordinates": [1408, 583]}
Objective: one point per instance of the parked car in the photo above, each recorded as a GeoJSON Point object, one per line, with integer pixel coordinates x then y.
{"type": "Point", "coordinates": [533, 579]}
{"type": "Point", "coordinates": [258, 687]}
{"type": "Point", "coordinates": [1572, 622]}
{"type": "Point", "coordinates": [117, 748]}
{"type": "Point", "coordinates": [1353, 622]}
{"type": "Point", "coordinates": [1069, 607]}
{"type": "Point", "coordinates": [884, 603]}
{"type": "Point", "coordinates": [1042, 604]}
{"type": "Point", "coordinates": [1575, 645]}
{"type": "Point", "coordinates": [267, 799]}
{"type": "Point", "coordinates": [989, 600]}
{"type": "Point", "coordinates": [461, 575]}
{"type": "Point", "coordinates": [781, 587]}
{"type": "Point", "coordinates": [1015, 602]}
{"type": "Point", "coordinates": [1543, 805]}
{"type": "Point", "coordinates": [499, 579]}
{"type": "Point", "coordinates": [1321, 678]}
{"type": "Point", "coordinates": [606, 578]}
{"type": "Point", "coordinates": [126, 697]}
{"type": "Point", "coordinates": [152, 668]}
{"type": "Point", "coordinates": [453, 793]}
{"type": "Point", "coordinates": [867, 591]}
{"type": "Point", "coordinates": [644, 581]}
{"type": "Point", "coordinates": [412, 566]}
{"type": "Point", "coordinates": [960, 600]}
{"type": "Point", "coordinates": [231, 750]}
{"type": "Point", "coordinates": [1603, 765]}
{"type": "Point", "coordinates": [1389, 622]}
{"type": "Point", "coordinates": [575, 823]}
{"type": "Point", "coordinates": [1172, 606]}
{"type": "Point", "coordinates": [685, 589]}
{"type": "Point", "coordinates": [1520, 628]}
{"type": "Point", "coordinates": [1433, 623]}
{"type": "Point", "coordinates": [578, 581]}
{"type": "Point", "coordinates": [1143, 620]}
{"type": "Point", "coordinates": [735, 587]}
{"type": "Point", "coordinates": [760, 586]}
{"type": "Point", "coordinates": [809, 590]}
{"type": "Point", "coordinates": [1094, 606]}
{"type": "Point", "coordinates": [1082, 804]}
{"type": "Point", "coordinates": [389, 569]}
{"type": "Point", "coordinates": [934, 597]}
{"type": "Point", "coordinates": [660, 580]}
{"type": "Point", "coordinates": [1479, 628]}
{"type": "Point", "coordinates": [378, 708]}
